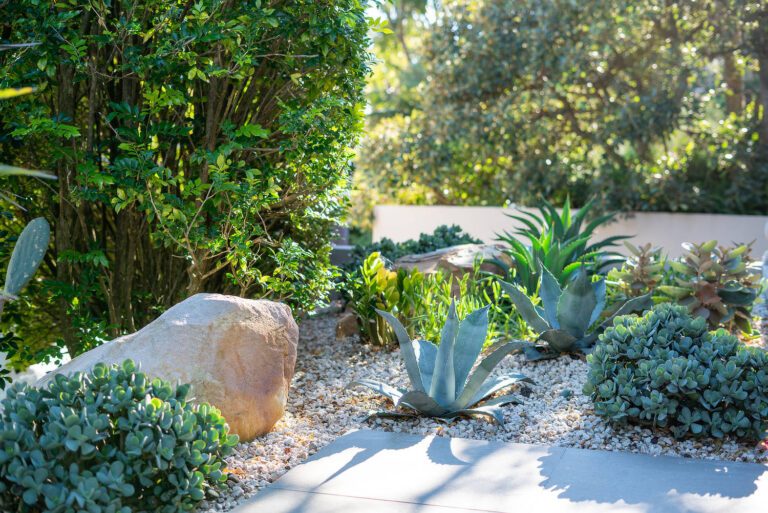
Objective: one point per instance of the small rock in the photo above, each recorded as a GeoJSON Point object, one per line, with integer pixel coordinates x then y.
{"type": "Point", "coordinates": [347, 326]}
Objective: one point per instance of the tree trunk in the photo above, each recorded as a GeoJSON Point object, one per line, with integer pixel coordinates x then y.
{"type": "Point", "coordinates": [763, 74]}
{"type": "Point", "coordinates": [734, 101]}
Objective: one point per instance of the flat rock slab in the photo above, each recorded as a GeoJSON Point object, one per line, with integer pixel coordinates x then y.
{"type": "Point", "coordinates": [373, 471]}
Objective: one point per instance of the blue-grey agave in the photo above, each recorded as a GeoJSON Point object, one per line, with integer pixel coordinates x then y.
{"type": "Point", "coordinates": [440, 376]}
{"type": "Point", "coordinates": [567, 314]}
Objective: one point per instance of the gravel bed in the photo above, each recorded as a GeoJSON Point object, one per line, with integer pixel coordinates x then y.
{"type": "Point", "coordinates": [553, 412]}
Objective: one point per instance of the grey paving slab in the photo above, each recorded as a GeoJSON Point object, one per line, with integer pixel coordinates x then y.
{"type": "Point", "coordinates": [372, 471]}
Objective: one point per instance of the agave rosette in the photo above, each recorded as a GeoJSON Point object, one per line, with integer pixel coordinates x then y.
{"type": "Point", "coordinates": [567, 321]}
{"type": "Point", "coordinates": [444, 384]}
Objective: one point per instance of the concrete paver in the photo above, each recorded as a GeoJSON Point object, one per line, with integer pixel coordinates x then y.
{"type": "Point", "coordinates": [373, 471]}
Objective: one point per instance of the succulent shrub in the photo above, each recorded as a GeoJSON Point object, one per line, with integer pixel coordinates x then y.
{"type": "Point", "coordinates": [110, 441]}
{"type": "Point", "coordinates": [666, 369]}
{"type": "Point", "coordinates": [568, 320]}
{"type": "Point", "coordinates": [443, 385]}
{"type": "Point", "coordinates": [641, 272]}
{"type": "Point", "coordinates": [558, 243]}
{"type": "Point", "coordinates": [717, 283]}
{"type": "Point", "coordinates": [378, 288]}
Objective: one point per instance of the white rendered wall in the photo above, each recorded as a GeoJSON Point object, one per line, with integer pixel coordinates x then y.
{"type": "Point", "coordinates": [403, 222]}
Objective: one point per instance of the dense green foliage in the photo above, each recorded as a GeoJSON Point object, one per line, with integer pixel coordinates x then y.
{"type": "Point", "coordinates": [569, 318]}
{"type": "Point", "coordinates": [647, 104]}
{"type": "Point", "coordinates": [200, 146]}
{"type": "Point", "coordinates": [443, 237]}
{"type": "Point", "coordinates": [557, 243]}
{"type": "Point", "coordinates": [665, 369]}
{"type": "Point", "coordinates": [109, 441]}
{"type": "Point", "coordinates": [421, 302]}
{"type": "Point", "coordinates": [440, 375]}
{"type": "Point", "coordinates": [471, 292]}
{"type": "Point", "coordinates": [717, 283]}
{"type": "Point", "coordinates": [375, 287]}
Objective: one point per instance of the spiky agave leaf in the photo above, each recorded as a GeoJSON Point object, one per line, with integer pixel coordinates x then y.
{"type": "Point", "coordinates": [482, 372]}
{"type": "Point", "coordinates": [443, 389]}
{"type": "Point", "coordinates": [576, 304]}
{"type": "Point", "coordinates": [406, 350]}
{"type": "Point", "coordinates": [524, 306]}
{"type": "Point", "coordinates": [394, 394]}
{"type": "Point", "coordinates": [491, 408]}
{"type": "Point", "coordinates": [444, 371]}
{"type": "Point", "coordinates": [497, 384]}
{"type": "Point", "coordinates": [471, 337]}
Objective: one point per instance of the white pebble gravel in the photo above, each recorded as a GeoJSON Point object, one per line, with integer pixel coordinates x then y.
{"type": "Point", "coordinates": [319, 410]}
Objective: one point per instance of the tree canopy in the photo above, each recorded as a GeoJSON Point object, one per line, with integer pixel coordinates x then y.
{"type": "Point", "coordinates": [648, 104]}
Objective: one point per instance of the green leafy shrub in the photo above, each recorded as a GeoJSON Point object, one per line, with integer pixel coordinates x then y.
{"type": "Point", "coordinates": [375, 287]}
{"type": "Point", "coordinates": [470, 292]}
{"type": "Point", "coordinates": [558, 243]}
{"type": "Point", "coordinates": [440, 376]}
{"type": "Point", "coordinates": [206, 147]}
{"type": "Point", "coordinates": [443, 237]}
{"type": "Point", "coordinates": [421, 302]}
{"type": "Point", "coordinates": [109, 441]}
{"type": "Point", "coordinates": [719, 284]}
{"type": "Point", "coordinates": [568, 320]}
{"type": "Point", "coordinates": [665, 369]}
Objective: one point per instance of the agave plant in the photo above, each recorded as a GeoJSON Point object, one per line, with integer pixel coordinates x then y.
{"type": "Point", "coordinates": [442, 385]}
{"type": "Point", "coordinates": [558, 243]}
{"type": "Point", "coordinates": [568, 320]}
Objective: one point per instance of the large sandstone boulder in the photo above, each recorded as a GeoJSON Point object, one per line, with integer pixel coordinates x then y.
{"type": "Point", "coordinates": [238, 354]}
{"type": "Point", "coordinates": [457, 260]}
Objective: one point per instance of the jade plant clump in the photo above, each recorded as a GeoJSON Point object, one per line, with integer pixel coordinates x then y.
{"type": "Point", "coordinates": [110, 441]}
{"type": "Point", "coordinates": [665, 369]}
{"type": "Point", "coordinates": [443, 384]}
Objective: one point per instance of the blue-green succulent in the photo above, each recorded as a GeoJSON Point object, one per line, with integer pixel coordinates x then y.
{"type": "Point", "coordinates": [568, 320]}
{"type": "Point", "coordinates": [665, 369]}
{"type": "Point", "coordinates": [443, 383]}
{"type": "Point", "coordinates": [110, 441]}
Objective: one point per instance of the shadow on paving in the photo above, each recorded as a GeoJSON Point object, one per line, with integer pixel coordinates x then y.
{"type": "Point", "coordinates": [587, 475]}
{"type": "Point", "coordinates": [372, 471]}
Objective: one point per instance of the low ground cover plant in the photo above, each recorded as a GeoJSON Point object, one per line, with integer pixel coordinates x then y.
{"type": "Point", "coordinates": [443, 385]}
{"type": "Point", "coordinates": [666, 369]}
{"type": "Point", "coordinates": [568, 319]}
{"type": "Point", "coordinates": [110, 441]}
{"type": "Point", "coordinates": [558, 243]}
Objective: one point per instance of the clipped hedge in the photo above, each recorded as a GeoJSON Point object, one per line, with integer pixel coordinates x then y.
{"type": "Point", "coordinates": [665, 369]}
{"type": "Point", "coordinates": [110, 441]}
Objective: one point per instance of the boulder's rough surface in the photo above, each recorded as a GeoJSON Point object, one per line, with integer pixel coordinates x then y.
{"type": "Point", "coordinates": [238, 354]}
{"type": "Point", "coordinates": [457, 260]}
